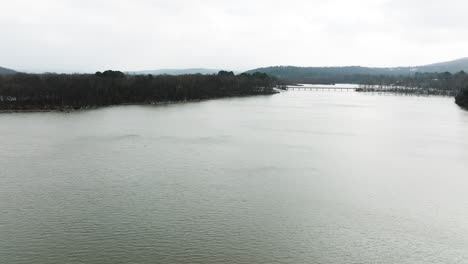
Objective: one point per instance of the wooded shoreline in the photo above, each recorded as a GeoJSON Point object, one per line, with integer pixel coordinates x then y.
{"type": "Point", "coordinates": [62, 92]}
{"type": "Point", "coordinates": [70, 110]}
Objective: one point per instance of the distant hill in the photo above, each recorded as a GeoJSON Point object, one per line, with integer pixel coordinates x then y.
{"type": "Point", "coordinates": [6, 71]}
{"type": "Point", "coordinates": [450, 66]}
{"type": "Point", "coordinates": [176, 71]}
{"type": "Point", "coordinates": [324, 75]}
{"type": "Point", "coordinates": [354, 73]}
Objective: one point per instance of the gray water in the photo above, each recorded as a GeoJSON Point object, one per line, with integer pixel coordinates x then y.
{"type": "Point", "coordinates": [298, 177]}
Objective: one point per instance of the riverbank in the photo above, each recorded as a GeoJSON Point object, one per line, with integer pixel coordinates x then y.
{"type": "Point", "coordinates": [69, 109]}
{"type": "Point", "coordinates": [413, 91]}
{"type": "Point", "coordinates": [462, 99]}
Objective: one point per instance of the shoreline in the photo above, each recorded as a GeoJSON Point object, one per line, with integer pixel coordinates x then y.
{"type": "Point", "coordinates": [406, 91]}
{"type": "Point", "coordinates": [71, 109]}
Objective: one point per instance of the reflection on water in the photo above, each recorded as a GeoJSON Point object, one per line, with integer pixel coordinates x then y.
{"type": "Point", "coordinates": [299, 177]}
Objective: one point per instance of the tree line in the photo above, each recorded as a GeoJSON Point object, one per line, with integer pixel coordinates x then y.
{"type": "Point", "coordinates": [74, 91]}
{"type": "Point", "coordinates": [329, 75]}
{"type": "Point", "coordinates": [445, 83]}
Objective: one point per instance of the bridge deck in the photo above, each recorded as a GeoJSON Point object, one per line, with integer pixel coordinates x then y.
{"type": "Point", "coordinates": [321, 88]}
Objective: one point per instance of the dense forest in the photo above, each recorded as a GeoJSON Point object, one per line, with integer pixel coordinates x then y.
{"type": "Point", "coordinates": [429, 83]}
{"type": "Point", "coordinates": [64, 91]}
{"type": "Point", "coordinates": [462, 98]}
{"type": "Point", "coordinates": [328, 75]}
{"type": "Point", "coordinates": [355, 74]}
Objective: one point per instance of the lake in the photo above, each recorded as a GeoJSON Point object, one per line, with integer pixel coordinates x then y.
{"type": "Point", "coordinates": [298, 177]}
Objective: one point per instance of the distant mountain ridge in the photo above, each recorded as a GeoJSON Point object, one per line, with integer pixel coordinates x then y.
{"type": "Point", "coordinates": [350, 73]}
{"type": "Point", "coordinates": [449, 66]}
{"type": "Point", "coordinates": [6, 71]}
{"type": "Point", "coordinates": [176, 71]}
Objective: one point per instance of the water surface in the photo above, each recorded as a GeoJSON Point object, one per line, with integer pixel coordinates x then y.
{"type": "Point", "coordinates": [298, 177]}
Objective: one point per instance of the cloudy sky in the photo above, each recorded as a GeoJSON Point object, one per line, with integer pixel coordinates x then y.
{"type": "Point", "coordinates": [91, 35]}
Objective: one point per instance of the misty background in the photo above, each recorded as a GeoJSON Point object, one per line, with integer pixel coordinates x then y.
{"type": "Point", "coordinates": [87, 36]}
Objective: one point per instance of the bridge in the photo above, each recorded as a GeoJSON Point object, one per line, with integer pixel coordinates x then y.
{"type": "Point", "coordinates": [322, 88]}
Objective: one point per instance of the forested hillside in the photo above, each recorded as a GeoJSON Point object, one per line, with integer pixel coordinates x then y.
{"type": "Point", "coordinates": [327, 75]}
{"type": "Point", "coordinates": [6, 71]}
{"type": "Point", "coordinates": [355, 74]}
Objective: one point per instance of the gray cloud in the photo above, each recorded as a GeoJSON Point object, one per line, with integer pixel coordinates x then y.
{"type": "Point", "coordinates": [67, 35]}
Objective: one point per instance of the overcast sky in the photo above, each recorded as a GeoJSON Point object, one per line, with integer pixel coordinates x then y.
{"type": "Point", "coordinates": [91, 35]}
